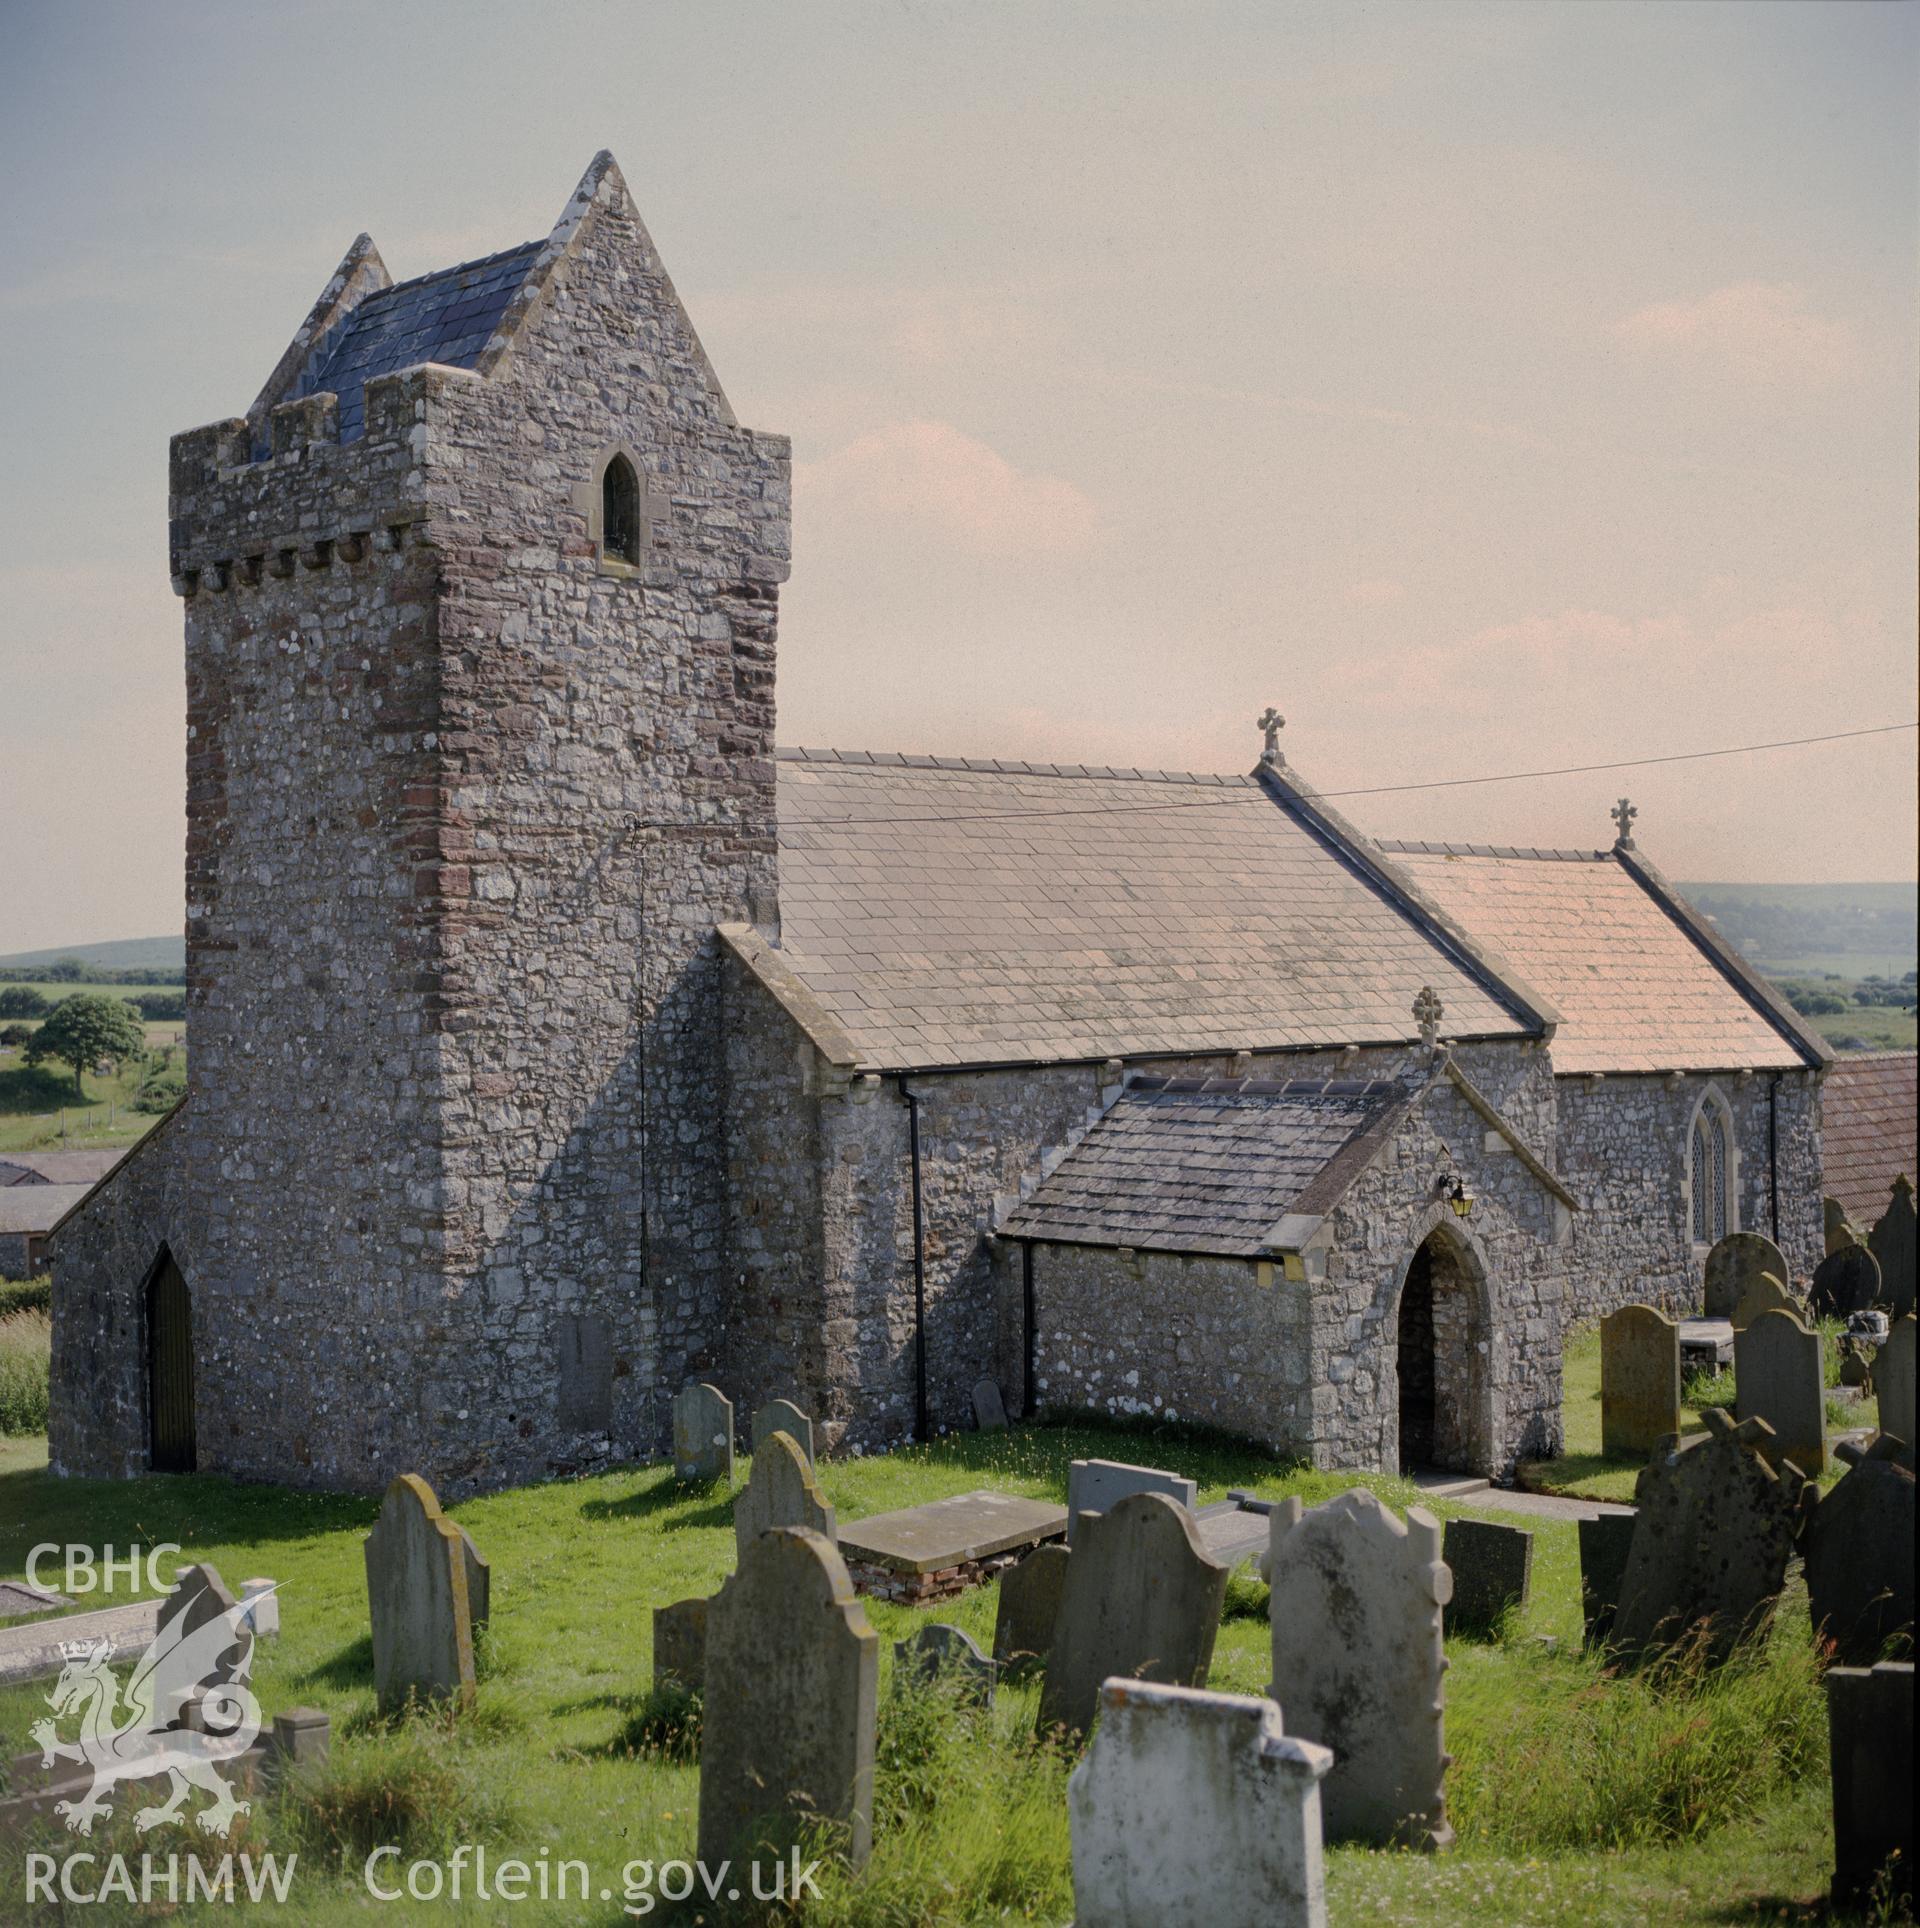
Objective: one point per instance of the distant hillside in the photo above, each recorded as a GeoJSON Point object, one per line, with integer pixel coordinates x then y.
{"type": "Point", "coordinates": [1854, 930]}
{"type": "Point", "coordinates": [123, 954]}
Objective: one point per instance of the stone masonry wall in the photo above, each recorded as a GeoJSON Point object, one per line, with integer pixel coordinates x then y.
{"type": "Point", "coordinates": [97, 1424]}
{"type": "Point", "coordinates": [463, 809]}
{"type": "Point", "coordinates": [1624, 1143]}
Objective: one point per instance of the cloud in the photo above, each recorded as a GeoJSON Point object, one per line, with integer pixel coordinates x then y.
{"type": "Point", "coordinates": [934, 476]}
{"type": "Point", "coordinates": [1759, 330]}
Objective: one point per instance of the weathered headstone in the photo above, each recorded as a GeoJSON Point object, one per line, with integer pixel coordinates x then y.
{"type": "Point", "coordinates": [479, 1582]}
{"type": "Point", "coordinates": [1845, 1281]}
{"type": "Point", "coordinates": [948, 1656]}
{"type": "Point", "coordinates": [989, 1409]}
{"type": "Point", "coordinates": [1893, 1381]}
{"type": "Point", "coordinates": [1639, 1380]}
{"type": "Point", "coordinates": [1604, 1544]}
{"type": "Point", "coordinates": [780, 1491]}
{"type": "Point", "coordinates": [261, 1597]}
{"type": "Point", "coordinates": [1892, 1240]}
{"type": "Point", "coordinates": [1710, 1545]}
{"type": "Point", "coordinates": [1195, 1810]}
{"type": "Point", "coordinates": [1029, 1605]}
{"type": "Point", "coordinates": [1733, 1265]}
{"type": "Point", "coordinates": [792, 1693]}
{"type": "Point", "coordinates": [1358, 1661]}
{"type": "Point", "coordinates": [1141, 1601]}
{"type": "Point", "coordinates": [680, 1643]}
{"type": "Point", "coordinates": [1870, 1734]}
{"type": "Point", "coordinates": [199, 1598]}
{"type": "Point", "coordinates": [1492, 1568]}
{"type": "Point", "coordinates": [1765, 1294]}
{"type": "Point", "coordinates": [1777, 1377]}
{"type": "Point", "coordinates": [1838, 1230]}
{"type": "Point", "coordinates": [783, 1416]}
{"type": "Point", "coordinates": [417, 1597]}
{"type": "Point", "coordinates": [702, 1434]}
{"type": "Point", "coordinates": [1858, 1546]}
{"type": "Point", "coordinates": [1099, 1485]}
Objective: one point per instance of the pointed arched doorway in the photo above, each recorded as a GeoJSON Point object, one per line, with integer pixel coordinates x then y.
{"type": "Point", "coordinates": [171, 1446]}
{"type": "Point", "coordinates": [1445, 1422]}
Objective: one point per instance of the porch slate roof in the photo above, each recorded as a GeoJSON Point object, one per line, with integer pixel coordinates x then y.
{"type": "Point", "coordinates": [1867, 1131]}
{"type": "Point", "coordinates": [948, 912]}
{"type": "Point", "coordinates": [1210, 1165]}
{"type": "Point", "coordinates": [1617, 951]}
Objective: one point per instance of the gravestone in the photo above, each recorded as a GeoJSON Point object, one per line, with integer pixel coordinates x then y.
{"type": "Point", "coordinates": [1892, 1240]}
{"type": "Point", "coordinates": [1777, 1377]}
{"type": "Point", "coordinates": [989, 1409]}
{"type": "Point", "coordinates": [783, 1416]}
{"type": "Point", "coordinates": [949, 1657]}
{"type": "Point", "coordinates": [1639, 1380]}
{"type": "Point", "coordinates": [1195, 1810]}
{"type": "Point", "coordinates": [1858, 1547]}
{"type": "Point", "coordinates": [680, 1643]}
{"type": "Point", "coordinates": [1358, 1661]}
{"type": "Point", "coordinates": [1765, 1294]}
{"type": "Point", "coordinates": [1734, 1264]}
{"type": "Point", "coordinates": [1604, 1544]}
{"type": "Point", "coordinates": [1711, 1542]}
{"type": "Point", "coordinates": [792, 1692]}
{"type": "Point", "coordinates": [261, 1598]}
{"type": "Point", "coordinates": [1845, 1281]}
{"type": "Point", "coordinates": [479, 1582]}
{"type": "Point", "coordinates": [586, 1373]}
{"type": "Point", "coordinates": [199, 1598]}
{"type": "Point", "coordinates": [1893, 1381]}
{"type": "Point", "coordinates": [417, 1598]}
{"type": "Point", "coordinates": [1029, 1605]}
{"type": "Point", "coordinates": [780, 1491]}
{"type": "Point", "coordinates": [1099, 1485]}
{"type": "Point", "coordinates": [1492, 1568]}
{"type": "Point", "coordinates": [1141, 1601]}
{"type": "Point", "coordinates": [1870, 1738]}
{"type": "Point", "coordinates": [1838, 1232]}
{"type": "Point", "coordinates": [702, 1434]}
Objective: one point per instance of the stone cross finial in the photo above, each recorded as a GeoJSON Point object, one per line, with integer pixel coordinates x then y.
{"type": "Point", "coordinates": [1427, 1013]}
{"type": "Point", "coordinates": [1623, 813]}
{"type": "Point", "coordinates": [1272, 723]}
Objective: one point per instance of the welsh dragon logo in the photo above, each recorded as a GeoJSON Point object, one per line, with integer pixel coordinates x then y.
{"type": "Point", "coordinates": [131, 1733]}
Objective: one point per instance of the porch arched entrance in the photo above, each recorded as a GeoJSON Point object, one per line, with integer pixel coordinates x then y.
{"type": "Point", "coordinates": [171, 1442]}
{"type": "Point", "coordinates": [1444, 1357]}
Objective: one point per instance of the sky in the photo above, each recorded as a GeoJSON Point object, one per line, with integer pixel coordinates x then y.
{"type": "Point", "coordinates": [1491, 388]}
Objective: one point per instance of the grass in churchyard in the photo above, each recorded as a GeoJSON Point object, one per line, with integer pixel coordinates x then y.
{"type": "Point", "coordinates": [1578, 1798]}
{"type": "Point", "coordinates": [1585, 1472]}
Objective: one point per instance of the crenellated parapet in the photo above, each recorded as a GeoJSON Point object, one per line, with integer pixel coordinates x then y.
{"type": "Point", "coordinates": [238, 516]}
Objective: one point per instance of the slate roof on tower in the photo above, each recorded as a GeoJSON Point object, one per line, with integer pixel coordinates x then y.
{"type": "Point", "coordinates": [1642, 983]}
{"type": "Point", "coordinates": [948, 911]}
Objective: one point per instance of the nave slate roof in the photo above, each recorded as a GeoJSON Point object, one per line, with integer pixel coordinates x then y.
{"type": "Point", "coordinates": [1867, 1109]}
{"type": "Point", "coordinates": [1642, 982]}
{"type": "Point", "coordinates": [949, 912]}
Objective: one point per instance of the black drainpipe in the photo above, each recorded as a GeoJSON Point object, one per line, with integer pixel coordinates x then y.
{"type": "Point", "coordinates": [1773, 1153]}
{"type": "Point", "coordinates": [919, 1268]}
{"type": "Point", "coordinates": [1026, 1302]}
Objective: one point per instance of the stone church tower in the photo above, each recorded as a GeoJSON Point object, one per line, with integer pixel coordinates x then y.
{"type": "Point", "coordinates": [480, 607]}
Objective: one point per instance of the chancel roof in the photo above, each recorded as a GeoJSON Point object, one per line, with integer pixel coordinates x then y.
{"type": "Point", "coordinates": [949, 912]}
{"type": "Point", "coordinates": [1211, 1165]}
{"type": "Point", "coordinates": [1640, 982]}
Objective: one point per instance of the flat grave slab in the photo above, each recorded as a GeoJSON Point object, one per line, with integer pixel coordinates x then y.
{"type": "Point", "coordinates": [1233, 1533]}
{"type": "Point", "coordinates": [951, 1532]}
{"type": "Point", "coordinates": [1706, 1344]}
{"type": "Point", "coordinates": [30, 1649]}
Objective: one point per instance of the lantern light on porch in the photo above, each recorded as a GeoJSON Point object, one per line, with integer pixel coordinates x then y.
{"type": "Point", "coordinates": [1460, 1199]}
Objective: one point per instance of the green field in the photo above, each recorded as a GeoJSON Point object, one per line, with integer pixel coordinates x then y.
{"type": "Point", "coordinates": [1578, 1798]}
{"type": "Point", "coordinates": [121, 954]}
{"type": "Point", "coordinates": [39, 1111]}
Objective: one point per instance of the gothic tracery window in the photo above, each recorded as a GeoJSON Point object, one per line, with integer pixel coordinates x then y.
{"type": "Point", "coordinates": [1710, 1173]}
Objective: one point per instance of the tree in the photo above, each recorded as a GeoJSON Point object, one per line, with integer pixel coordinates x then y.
{"type": "Point", "coordinates": [21, 1001]}
{"type": "Point", "coordinates": [86, 1028]}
